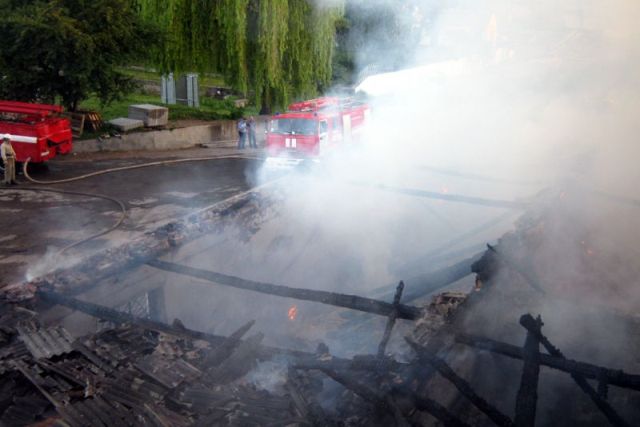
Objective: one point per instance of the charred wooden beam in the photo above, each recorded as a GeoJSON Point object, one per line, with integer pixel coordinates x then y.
{"type": "Point", "coordinates": [392, 320]}
{"type": "Point", "coordinates": [424, 355]}
{"type": "Point", "coordinates": [111, 315]}
{"type": "Point", "coordinates": [614, 377]}
{"type": "Point", "coordinates": [527, 398]}
{"type": "Point", "coordinates": [528, 322]}
{"type": "Point", "coordinates": [353, 302]}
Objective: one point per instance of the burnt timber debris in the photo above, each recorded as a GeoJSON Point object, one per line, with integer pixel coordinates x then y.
{"type": "Point", "coordinates": [137, 252]}
{"type": "Point", "coordinates": [145, 372]}
{"type": "Point", "coordinates": [138, 371]}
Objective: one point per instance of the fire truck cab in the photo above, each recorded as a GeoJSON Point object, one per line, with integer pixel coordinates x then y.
{"type": "Point", "coordinates": [310, 129]}
{"type": "Point", "coordinates": [37, 131]}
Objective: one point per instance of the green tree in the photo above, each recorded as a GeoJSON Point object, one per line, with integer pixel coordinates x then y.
{"type": "Point", "coordinates": [275, 49]}
{"type": "Point", "coordinates": [69, 49]}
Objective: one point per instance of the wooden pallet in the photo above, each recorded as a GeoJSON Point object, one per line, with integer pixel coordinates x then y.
{"type": "Point", "coordinates": [80, 119]}
{"type": "Point", "coordinates": [95, 120]}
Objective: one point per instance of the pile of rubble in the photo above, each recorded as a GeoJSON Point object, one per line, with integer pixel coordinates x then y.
{"type": "Point", "coordinates": [140, 372]}
{"type": "Point", "coordinates": [461, 367]}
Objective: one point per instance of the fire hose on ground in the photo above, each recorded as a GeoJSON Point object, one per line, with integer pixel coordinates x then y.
{"type": "Point", "coordinates": [121, 206]}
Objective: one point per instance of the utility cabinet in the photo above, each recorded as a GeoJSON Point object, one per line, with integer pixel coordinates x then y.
{"type": "Point", "coordinates": [150, 115]}
{"type": "Point", "coordinates": [183, 90]}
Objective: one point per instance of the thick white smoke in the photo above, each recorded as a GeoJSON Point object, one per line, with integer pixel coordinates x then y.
{"type": "Point", "coordinates": [501, 100]}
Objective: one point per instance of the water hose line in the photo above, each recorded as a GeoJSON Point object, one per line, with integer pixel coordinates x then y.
{"type": "Point", "coordinates": [121, 205]}
{"type": "Point", "coordinates": [124, 168]}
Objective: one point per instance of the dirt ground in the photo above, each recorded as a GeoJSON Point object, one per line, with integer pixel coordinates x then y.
{"type": "Point", "coordinates": [35, 225]}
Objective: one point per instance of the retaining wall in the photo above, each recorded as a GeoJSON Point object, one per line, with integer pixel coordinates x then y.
{"type": "Point", "coordinates": [219, 133]}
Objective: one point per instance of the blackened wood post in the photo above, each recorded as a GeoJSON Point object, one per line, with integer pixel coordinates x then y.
{"type": "Point", "coordinates": [392, 320]}
{"type": "Point", "coordinates": [527, 398]}
{"type": "Point", "coordinates": [615, 377]}
{"type": "Point", "coordinates": [352, 302]}
{"type": "Point", "coordinates": [529, 323]}
{"type": "Point", "coordinates": [463, 386]}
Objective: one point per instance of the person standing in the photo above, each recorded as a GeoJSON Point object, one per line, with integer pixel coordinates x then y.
{"type": "Point", "coordinates": [251, 126]}
{"type": "Point", "coordinates": [9, 159]}
{"type": "Point", "coordinates": [242, 133]}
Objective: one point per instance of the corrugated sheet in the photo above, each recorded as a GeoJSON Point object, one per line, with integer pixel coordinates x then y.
{"type": "Point", "coordinates": [45, 343]}
{"type": "Point", "coordinates": [169, 373]}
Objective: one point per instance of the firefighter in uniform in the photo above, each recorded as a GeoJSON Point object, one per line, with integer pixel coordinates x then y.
{"type": "Point", "coordinates": [9, 159]}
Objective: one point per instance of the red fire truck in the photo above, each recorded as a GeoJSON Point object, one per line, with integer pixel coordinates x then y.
{"type": "Point", "coordinates": [37, 131]}
{"type": "Point", "coordinates": [310, 129]}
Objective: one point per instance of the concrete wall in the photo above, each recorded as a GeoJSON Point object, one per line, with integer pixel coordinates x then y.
{"type": "Point", "coordinates": [220, 133]}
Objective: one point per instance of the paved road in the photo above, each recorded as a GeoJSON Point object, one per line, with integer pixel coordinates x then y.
{"type": "Point", "coordinates": [35, 225]}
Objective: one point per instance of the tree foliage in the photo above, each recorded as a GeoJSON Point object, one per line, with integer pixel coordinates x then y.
{"type": "Point", "coordinates": [279, 49]}
{"type": "Point", "coordinates": [68, 49]}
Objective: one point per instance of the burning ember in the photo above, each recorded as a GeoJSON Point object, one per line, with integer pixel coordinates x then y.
{"type": "Point", "coordinates": [293, 312]}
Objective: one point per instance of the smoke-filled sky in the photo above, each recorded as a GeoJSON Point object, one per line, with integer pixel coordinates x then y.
{"type": "Point", "coordinates": [500, 100]}
{"type": "Point", "coordinates": [530, 90]}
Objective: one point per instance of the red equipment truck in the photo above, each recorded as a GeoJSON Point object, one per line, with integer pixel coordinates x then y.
{"type": "Point", "coordinates": [310, 129]}
{"type": "Point", "coordinates": [37, 131]}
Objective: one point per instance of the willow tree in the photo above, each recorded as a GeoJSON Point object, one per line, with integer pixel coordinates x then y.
{"type": "Point", "coordinates": [273, 49]}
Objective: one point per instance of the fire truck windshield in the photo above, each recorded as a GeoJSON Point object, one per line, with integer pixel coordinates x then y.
{"type": "Point", "coordinates": [294, 126]}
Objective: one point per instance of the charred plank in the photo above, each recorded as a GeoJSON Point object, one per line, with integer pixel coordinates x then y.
{"type": "Point", "coordinates": [424, 355]}
{"type": "Point", "coordinates": [353, 302]}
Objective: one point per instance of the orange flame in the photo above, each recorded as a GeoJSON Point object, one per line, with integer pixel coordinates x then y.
{"type": "Point", "coordinates": [292, 313]}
